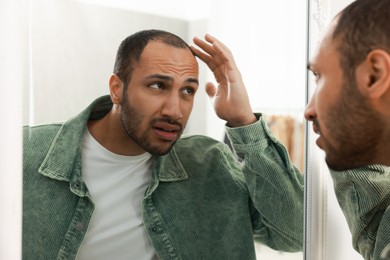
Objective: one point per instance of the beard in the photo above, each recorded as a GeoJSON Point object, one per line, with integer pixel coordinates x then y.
{"type": "Point", "coordinates": [355, 130]}
{"type": "Point", "coordinates": [131, 120]}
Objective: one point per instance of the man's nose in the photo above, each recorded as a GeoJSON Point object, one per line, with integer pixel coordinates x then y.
{"type": "Point", "coordinates": [310, 113]}
{"type": "Point", "coordinates": [172, 107]}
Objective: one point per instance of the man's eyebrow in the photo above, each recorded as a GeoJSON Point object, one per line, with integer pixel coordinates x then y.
{"type": "Point", "coordinates": [193, 80]}
{"type": "Point", "coordinates": [160, 76]}
{"type": "Point", "coordinates": [169, 78]}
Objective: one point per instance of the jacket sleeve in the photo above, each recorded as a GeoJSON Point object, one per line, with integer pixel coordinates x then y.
{"type": "Point", "coordinates": [364, 197]}
{"type": "Point", "coordinates": [275, 186]}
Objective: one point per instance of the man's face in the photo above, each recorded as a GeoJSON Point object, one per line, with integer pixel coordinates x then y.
{"type": "Point", "coordinates": [159, 97]}
{"type": "Point", "coordinates": [348, 127]}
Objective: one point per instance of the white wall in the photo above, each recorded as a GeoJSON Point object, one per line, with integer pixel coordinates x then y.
{"type": "Point", "coordinates": [177, 9]}
{"type": "Point", "coordinates": [13, 75]}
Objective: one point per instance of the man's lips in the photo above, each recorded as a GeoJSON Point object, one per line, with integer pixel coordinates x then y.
{"type": "Point", "coordinates": [170, 127]}
{"type": "Point", "coordinates": [167, 131]}
{"type": "Point", "coordinates": [316, 129]}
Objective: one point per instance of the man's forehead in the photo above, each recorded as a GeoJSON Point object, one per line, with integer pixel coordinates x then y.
{"type": "Point", "coordinates": [161, 50]}
{"type": "Point", "coordinates": [326, 45]}
{"type": "Point", "coordinates": [159, 57]}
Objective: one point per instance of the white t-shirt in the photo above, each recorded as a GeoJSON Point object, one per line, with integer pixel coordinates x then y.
{"type": "Point", "coordinates": [117, 184]}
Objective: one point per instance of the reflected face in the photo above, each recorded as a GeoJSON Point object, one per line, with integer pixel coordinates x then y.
{"type": "Point", "coordinates": [342, 116]}
{"type": "Point", "coordinates": [159, 98]}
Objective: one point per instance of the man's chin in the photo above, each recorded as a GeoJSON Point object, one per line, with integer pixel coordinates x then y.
{"type": "Point", "coordinates": [160, 150]}
{"type": "Point", "coordinates": [334, 164]}
{"type": "Point", "coordinates": [337, 168]}
{"type": "Point", "coordinates": [342, 165]}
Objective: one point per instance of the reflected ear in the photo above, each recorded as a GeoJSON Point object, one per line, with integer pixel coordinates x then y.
{"type": "Point", "coordinates": [116, 89]}
{"type": "Point", "coordinates": [377, 74]}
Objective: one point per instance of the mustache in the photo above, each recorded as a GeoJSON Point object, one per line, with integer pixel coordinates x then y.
{"type": "Point", "coordinates": [316, 123]}
{"type": "Point", "coordinates": [316, 126]}
{"type": "Point", "coordinates": [167, 120]}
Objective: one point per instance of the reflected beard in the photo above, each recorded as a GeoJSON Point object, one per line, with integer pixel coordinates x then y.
{"type": "Point", "coordinates": [131, 120]}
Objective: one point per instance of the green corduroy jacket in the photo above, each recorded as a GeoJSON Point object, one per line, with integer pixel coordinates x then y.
{"type": "Point", "coordinates": [200, 204]}
{"type": "Point", "coordinates": [364, 196]}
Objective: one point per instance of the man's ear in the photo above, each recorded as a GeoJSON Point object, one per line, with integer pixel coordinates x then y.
{"type": "Point", "coordinates": [116, 89]}
{"type": "Point", "coordinates": [376, 74]}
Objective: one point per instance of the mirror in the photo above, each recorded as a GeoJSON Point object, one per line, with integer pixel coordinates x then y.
{"type": "Point", "coordinates": [73, 44]}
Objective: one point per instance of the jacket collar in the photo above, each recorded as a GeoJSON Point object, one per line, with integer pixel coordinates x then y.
{"type": "Point", "coordinates": [63, 160]}
{"type": "Point", "coordinates": [169, 167]}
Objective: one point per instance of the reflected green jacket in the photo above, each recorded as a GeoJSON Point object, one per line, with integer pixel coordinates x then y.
{"type": "Point", "coordinates": [200, 204]}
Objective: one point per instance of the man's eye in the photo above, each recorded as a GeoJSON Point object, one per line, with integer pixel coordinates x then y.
{"type": "Point", "coordinates": [316, 75]}
{"type": "Point", "coordinates": [156, 85]}
{"type": "Point", "coordinates": [189, 91]}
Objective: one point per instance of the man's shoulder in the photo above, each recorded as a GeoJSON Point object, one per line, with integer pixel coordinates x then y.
{"type": "Point", "coordinates": [39, 137]}
{"type": "Point", "coordinates": [197, 139]}
{"type": "Point", "coordinates": [199, 144]}
{"type": "Point", "coordinates": [37, 131]}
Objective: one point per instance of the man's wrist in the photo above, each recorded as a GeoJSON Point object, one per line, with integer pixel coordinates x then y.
{"type": "Point", "coordinates": [243, 122]}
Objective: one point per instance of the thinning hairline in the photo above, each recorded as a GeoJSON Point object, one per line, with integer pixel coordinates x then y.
{"type": "Point", "coordinates": [162, 39]}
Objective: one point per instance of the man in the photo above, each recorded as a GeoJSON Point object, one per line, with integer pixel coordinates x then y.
{"type": "Point", "coordinates": [350, 111]}
{"type": "Point", "coordinates": [118, 182]}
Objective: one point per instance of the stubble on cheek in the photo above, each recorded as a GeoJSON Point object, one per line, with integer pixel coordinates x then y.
{"type": "Point", "coordinates": [354, 132]}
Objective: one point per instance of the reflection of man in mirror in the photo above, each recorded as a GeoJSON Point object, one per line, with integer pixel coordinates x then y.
{"type": "Point", "coordinates": [119, 182]}
{"type": "Point", "coordinates": [350, 111]}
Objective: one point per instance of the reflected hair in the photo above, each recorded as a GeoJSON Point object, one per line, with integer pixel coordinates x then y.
{"type": "Point", "coordinates": [361, 27]}
{"type": "Point", "coordinates": [131, 48]}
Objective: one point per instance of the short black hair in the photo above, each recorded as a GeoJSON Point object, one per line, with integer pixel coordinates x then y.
{"type": "Point", "coordinates": [361, 27]}
{"type": "Point", "coordinates": [131, 48]}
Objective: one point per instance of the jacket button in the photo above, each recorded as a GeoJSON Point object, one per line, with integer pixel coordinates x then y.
{"type": "Point", "coordinates": [79, 226]}
{"type": "Point", "coordinates": [154, 229]}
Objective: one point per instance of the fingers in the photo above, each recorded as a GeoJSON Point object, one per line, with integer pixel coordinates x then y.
{"type": "Point", "coordinates": [207, 54]}
{"type": "Point", "coordinates": [214, 54]}
{"type": "Point", "coordinates": [229, 93]}
{"type": "Point", "coordinates": [201, 55]}
{"type": "Point", "coordinates": [211, 48]}
{"type": "Point", "coordinates": [205, 46]}
{"type": "Point", "coordinates": [219, 46]}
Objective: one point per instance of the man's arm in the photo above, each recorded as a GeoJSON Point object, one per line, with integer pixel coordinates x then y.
{"type": "Point", "coordinates": [275, 185]}
{"type": "Point", "coordinates": [364, 197]}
